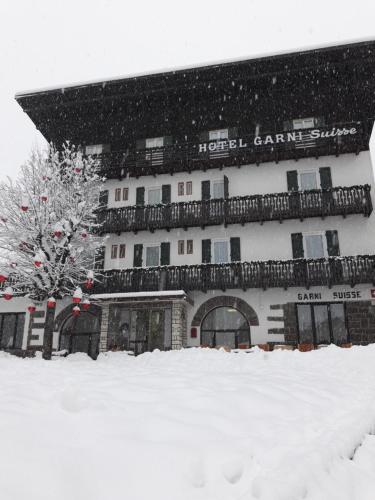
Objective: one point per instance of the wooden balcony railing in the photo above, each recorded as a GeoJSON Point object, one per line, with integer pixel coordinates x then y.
{"type": "Point", "coordinates": [268, 274]}
{"type": "Point", "coordinates": [251, 149]}
{"type": "Point", "coordinates": [240, 210]}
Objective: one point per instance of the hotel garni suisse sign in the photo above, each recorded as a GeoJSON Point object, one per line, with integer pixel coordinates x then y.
{"type": "Point", "coordinates": [284, 137]}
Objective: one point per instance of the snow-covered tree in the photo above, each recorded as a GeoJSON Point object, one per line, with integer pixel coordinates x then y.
{"type": "Point", "coordinates": [47, 229]}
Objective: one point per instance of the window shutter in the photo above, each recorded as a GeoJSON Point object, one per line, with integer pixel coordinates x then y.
{"type": "Point", "coordinates": [232, 133]}
{"type": "Point", "coordinates": [103, 198]}
{"type": "Point", "coordinates": [166, 193]}
{"type": "Point", "coordinates": [165, 250]}
{"type": "Point", "coordinates": [226, 187]}
{"type": "Point", "coordinates": [288, 125]}
{"type": "Point", "coordinates": [206, 251]}
{"type": "Point", "coordinates": [292, 180]}
{"type": "Point", "coordinates": [319, 121]}
{"type": "Point", "coordinates": [333, 248]}
{"type": "Point", "coordinates": [141, 144]}
{"type": "Point", "coordinates": [138, 251]}
{"type": "Point", "coordinates": [325, 178]}
{"type": "Point", "coordinates": [235, 249]}
{"type": "Point", "coordinates": [99, 258]}
{"type": "Point", "coordinates": [206, 194]}
{"type": "Point", "coordinates": [204, 137]}
{"type": "Point", "coordinates": [140, 196]}
{"type": "Point", "coordinates": [297, 246]}
{"type": "Point", "coordinates": [168, 140]}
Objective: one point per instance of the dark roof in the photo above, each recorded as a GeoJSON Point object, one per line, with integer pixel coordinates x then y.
{"type": "Point", "coordinates": [175, 99]}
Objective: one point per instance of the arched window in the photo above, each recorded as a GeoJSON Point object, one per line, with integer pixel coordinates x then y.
{"type": "Point", "coordinates": [81, 334]}
{"type": "Point", "coordinates": [225, 327]}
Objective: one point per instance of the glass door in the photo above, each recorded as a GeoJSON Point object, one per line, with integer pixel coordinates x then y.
{"type": "Point", "coordinates": [322, 323]}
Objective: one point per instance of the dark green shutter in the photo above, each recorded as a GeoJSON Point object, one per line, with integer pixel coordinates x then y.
{"type": "Point", "coordinates": [166, 193]}
{"type": "Point", "coordinates": [288, 125]}
{"type": "Point", "coordinates": [325, 178]}
{"type": "Point", "coordinates": [206, 251]}
{"type": "Point", "coordinates": [204, 137]}
{"type": "Point", "coordinates": [333, 248]}
{"type": "Point", "coordinates": [168, 140]}
{"type": "Point", "coordinates": [140, 196]}
{"type": "Point", "coordinates": [226, 187]}
{"type": "Point", "coordinates": [232, 133]}
{"type": "Point", "coordinates": [103, 198]}
{"type": "Point", "coordinates": [141, 144]}
{"type": "Point", "coordinates": [206, 194]}
{"type": "Point", "coordinates": [319, 121]}
{"type": "Point", "coordinates": [292, 180]}
{"type": "Point", "coordinates": [235, 249]}
{"type": "Point", "coordinates": [297, 246]}
{"type": "Point", "coordinates": [138, 251]}
{"type": "Point", "coordinates": [165, 248]}
{"type": "Point", "coordinates": [99, 258]}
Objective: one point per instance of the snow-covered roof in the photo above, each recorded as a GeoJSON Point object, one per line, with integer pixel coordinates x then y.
{"type": "Point", "coordinates": [133, 295]}
{"type": "Point", "coordinates": [178, 69]}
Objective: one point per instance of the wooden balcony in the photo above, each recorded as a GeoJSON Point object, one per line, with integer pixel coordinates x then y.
{"type": "Point", "coordinates": [240, 210]}
{"type": "Point", "coordinates": [251, 149]}
{"type": "Point", "coordinates": [243, 275]}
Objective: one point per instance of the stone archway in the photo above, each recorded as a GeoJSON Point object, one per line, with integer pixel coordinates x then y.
{"type": "Point", "coordinates": [228, 301]}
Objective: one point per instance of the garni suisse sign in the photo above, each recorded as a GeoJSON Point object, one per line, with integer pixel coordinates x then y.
{"type": "Point", "coordinates": [283, 137]}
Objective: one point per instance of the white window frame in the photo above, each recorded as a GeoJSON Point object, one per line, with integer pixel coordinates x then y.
{"type": "Point", "coordinates": [150, 245]}
{"type": "Point", "coordinates": [219, 240]}
{"type": "Point", "coordinates": [94, 149]}
{"type": "Point", "coordinates": [186, 188]}
{"type": "Point", "coordinates": [217, 181]}
{"type": "Point", "coordinates": [154, 188]}
{"type": "Point", "coordinates": [315, 233]}
{"type": "Point", "coordinates": [304, 125]}
{"type": "Point", "coordinates": [222, 132]}
{"type": "Point", "coordinates": [118, 190]}
{"type": "Point", "coordinates": [308, 171]}
{"type": "Point", "coordinates": [154, 142]}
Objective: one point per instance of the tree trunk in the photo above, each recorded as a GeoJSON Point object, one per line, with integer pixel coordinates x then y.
{"type": "Point", "coordinates": [48, 333]}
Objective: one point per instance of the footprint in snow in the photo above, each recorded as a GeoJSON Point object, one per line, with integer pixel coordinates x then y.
{"type": "Point", "coordinates": [233, 470]}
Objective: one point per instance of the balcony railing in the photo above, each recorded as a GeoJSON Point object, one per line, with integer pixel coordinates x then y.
{"type": "Point", "coordinates": [240, 210]}
{"type": "Point", "coordinates": [251, 149]}
{"type": "Point", "coordinates": [267, 274]}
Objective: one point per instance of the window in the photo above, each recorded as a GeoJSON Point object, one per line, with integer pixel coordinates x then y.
{"type": "Point", "coordinates": [220, 251]}
{"type": "Point", "coordinates": [125, 194]}
{"type": "Point", "coordinates": [181, 247]}
{"type": "Point", "coordinates": [11, 330]}
{"type": "Point", "coordinates": [189, 188]}
{"type": "Point", "coordinates": [154, 196]}
{"type": "Point", "coordinates": [225, 326]}
{"type": "Point", "coordinates": [218, 189]}
{"type": "Point", "coordinates": [217, 135]}
{"type": "Point", "coordinates": [94, 149]}
{"type": "Point", "coordinates": [152, 255]}
{"type": "Point", "coordinates": [114, 251]}
{"type": "Point", "coordinates": [314, 246]}
{"type": "Point", "coordinates": [122, 251]}
{"type": "Point", "coordinates": [308, 180]}
{"type": "Point", "coordinates": [155, 142]}
{"type": "Point", "coordinates": [321, 323]}
{"type": "Point", "coordinates": [189, 246]}
{"type": "Point", "coordinates": [117, 194]}
{"type": "Point", "coordinates": [302, 123]}
{"type": "Point", "coordinates": [180, 189]}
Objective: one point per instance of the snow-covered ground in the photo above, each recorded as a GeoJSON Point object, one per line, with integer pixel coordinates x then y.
{"type": "Point", "coordinates": [189, 425]}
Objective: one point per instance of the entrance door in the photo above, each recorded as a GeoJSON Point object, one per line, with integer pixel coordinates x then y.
{"type": "Point", "coordinates": [322, 323]}
{"type": "Point", "coordinates": [225, 327]}
{"type": "Point", "coordinates": [81, 334]}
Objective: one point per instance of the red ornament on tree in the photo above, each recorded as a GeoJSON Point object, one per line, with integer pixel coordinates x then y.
{"type": "Point", "coordinates": [31, 308]}
{"type": "Point", "coordinates": [44, 197]}
{"type": "Point", "coordinates": [85, 304]}
{"type": "Point", "coordinates": [77, 170]}
{"type": "Point", "coordinates": [76, 311]}
{"type": "Point", "coordinates": [8, 293]}
{"type": "Point", "coordinates": [84, 234]}
{"type": "Point", "coordinates": [51, 303]}
{"type": "Point", "coordinates": [24, 208]}
{"type": "Point", "coordinates": [57, 230]}
{"type": "Point", "coordinates": [3, 277]}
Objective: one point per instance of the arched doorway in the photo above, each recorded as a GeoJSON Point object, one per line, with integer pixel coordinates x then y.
{"type": "Point", "coordinates": [225, 326]}
{"type": "Point", "coordinates": [81, 334]}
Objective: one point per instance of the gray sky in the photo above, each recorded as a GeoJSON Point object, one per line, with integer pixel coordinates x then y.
{"type": "Point", "coordinates": [51, 42]}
